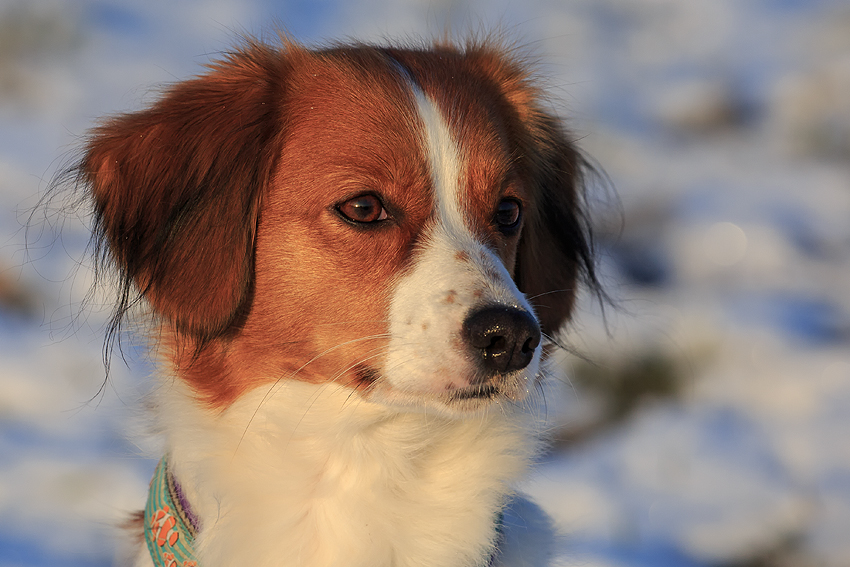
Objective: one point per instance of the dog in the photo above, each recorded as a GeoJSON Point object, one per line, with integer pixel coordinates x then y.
{"type": "Point", "coordinates": [355, 259]}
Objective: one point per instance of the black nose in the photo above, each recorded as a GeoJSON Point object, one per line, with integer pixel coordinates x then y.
{"type": "Point", "coordinates": [504, 337]}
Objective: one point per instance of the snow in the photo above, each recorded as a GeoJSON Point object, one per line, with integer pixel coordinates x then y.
{"type": "Point", "coordinates": [725, 129]}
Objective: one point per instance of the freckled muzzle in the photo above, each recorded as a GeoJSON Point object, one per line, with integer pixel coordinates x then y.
{"type": "Point", "coordinates": [503, 339]}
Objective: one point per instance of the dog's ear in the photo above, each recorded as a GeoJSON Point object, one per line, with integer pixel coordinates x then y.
{"type": "Point", "coordinates": [555, 250]}
{"type": "Point", "coordinates": [177, 190]}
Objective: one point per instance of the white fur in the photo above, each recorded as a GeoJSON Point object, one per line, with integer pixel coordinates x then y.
{"type": "Point", "coordinates": [311, 475]}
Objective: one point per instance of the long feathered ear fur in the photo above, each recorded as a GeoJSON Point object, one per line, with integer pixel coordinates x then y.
{"type": "Point", "coordinates": [177, 191]}
{"type": "Point", "coordinates": [556, 249]}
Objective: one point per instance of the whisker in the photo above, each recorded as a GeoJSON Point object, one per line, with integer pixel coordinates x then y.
{"type": "Point", "coordinates": [566, 348]}
{"type": "Point", "coordinates": [340, 373]}
{"type": "Point", "coordinates": [551, 292]}
{"type": "Point", "coordinates": [351, 322]}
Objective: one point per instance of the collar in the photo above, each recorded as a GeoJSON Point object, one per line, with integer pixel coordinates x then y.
{"type": "Point", "coordinates": [170, 525]}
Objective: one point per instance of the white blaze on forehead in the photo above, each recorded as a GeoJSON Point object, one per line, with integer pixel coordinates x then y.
{"type": "Point", "coordinates": [445, 161]}
{"type": "Point", "coordinates": [452, 231]}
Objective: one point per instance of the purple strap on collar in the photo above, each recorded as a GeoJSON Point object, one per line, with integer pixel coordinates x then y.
{"type": "Point", "coordinates": [183, 503]}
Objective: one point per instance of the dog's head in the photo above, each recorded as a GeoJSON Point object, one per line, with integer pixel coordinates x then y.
{"type": "Point", "coordinates": [406, 222]}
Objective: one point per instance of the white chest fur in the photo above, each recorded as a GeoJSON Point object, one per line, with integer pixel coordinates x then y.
{"type": "Point", "coordinates": [301, 474]}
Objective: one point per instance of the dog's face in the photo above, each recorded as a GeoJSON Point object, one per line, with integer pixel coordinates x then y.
{"type": "Point", "coordinates": [404, 222]}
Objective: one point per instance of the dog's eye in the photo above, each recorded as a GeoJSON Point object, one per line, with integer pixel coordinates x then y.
{"type": "Point", "coordinates": [363, 209]}
{"type": "Point", "coordinates": [508, 215]}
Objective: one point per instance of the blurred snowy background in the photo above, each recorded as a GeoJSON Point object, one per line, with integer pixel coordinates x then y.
{"type": "Point", "coordinates": [711, 425]}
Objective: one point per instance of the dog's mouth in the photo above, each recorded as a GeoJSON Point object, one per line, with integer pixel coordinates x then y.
{"type": "Point", "coordinates": [456, 401]}
{"type": "Point", "coordinates": [483, 392]}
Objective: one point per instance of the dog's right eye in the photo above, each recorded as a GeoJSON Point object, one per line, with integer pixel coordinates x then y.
{"type": "Point", "coordinates": [363, 209]}
{"type": "Point", "coordinates": [508, 215]}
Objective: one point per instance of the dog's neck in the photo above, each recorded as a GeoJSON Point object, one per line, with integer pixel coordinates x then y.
{"type": "Point", "coordinates": [318, 476]}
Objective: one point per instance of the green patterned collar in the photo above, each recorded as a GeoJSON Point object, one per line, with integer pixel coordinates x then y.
{"type": "Point", "coordinates": [170, 526]}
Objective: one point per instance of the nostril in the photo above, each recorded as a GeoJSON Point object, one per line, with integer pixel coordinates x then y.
{"type": "Point", "coordinates": [497, 344]}
{"type": "Point", "coordinates": [504, 338]}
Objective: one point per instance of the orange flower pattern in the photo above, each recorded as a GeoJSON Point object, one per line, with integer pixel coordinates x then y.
{"type": "Point", "coordinates": [170, 541]}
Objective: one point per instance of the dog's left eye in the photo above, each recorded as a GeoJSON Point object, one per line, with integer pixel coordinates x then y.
{"type": "Point", "coordinates": [508, 215]}
{"type": "Point", "coordinates": [363, 209]}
